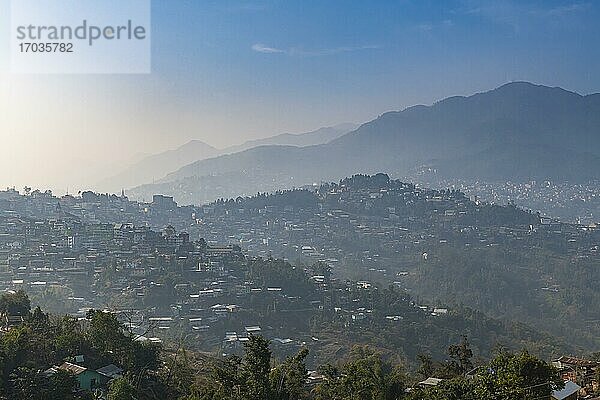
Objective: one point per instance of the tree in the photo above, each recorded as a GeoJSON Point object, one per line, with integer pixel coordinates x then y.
{"type": "Point", "coordinates": [26, 384]}
{"type": "Point", "coordinates": [516, 376]}
{"type": "Point", "coordinates": [108, 337]}
{"type": "Point", "coordinates": [139, 357]}
{"type": "Point", "coordinates": [69, 339]}
{"type": "Point", "coordinates": [226, 379]}
{"type": "Point", "coordinates": [17, 303]}
{"type": "Point", "coordinates": [16, 348]}
{"type": "Point", "coordinates": [461, 357]}
{"type": "Point", "coordinates": [365, 377]}
{"type": "Point", "coordinates": [459, 388]}
{"type": "Point", "coordinates": [179, 374]}
{"type": "Point", "coordinates": [256, 367]}
{"type": "Point", "coordinates": [426, 368]}
{"type": "Point", "coordinates": [289, 378]}
{"type": "Point", "coordinates": [507, 377]}
{"type": "Point", "coordinates": [121, 389]}
{"type": "Point", "coordinates": [62, 385]}
{"type": "Point", "coordinates": [328, 388]}
{"type": "Point", "coordinates": [106, 332]}
{"type": "Point", "coordinates": [38, 320]}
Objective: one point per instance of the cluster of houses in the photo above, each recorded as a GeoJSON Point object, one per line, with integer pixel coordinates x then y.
{"type": "Point", "coordinates": [582, 378]}
{"type": "Point", "coordinates": [570, 201]}
{"type": "Point", "coordinates": [384, 229]}
{"type": "Point", "coordinates": [65, 248]}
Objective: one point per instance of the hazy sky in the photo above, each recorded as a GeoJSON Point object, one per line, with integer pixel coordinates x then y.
{"type": "Point", "coordinates": [225, 72]}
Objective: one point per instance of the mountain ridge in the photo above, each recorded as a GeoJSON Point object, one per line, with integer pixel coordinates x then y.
{"type": "Point", "coordinates": [154, 167]}
{"type": "Point", "coordinates": [497, 129]}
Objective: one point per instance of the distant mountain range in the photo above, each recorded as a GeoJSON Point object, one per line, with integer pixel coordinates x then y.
{"type": "Point", "coordinates": [153, 167]}
{"type": "Point", "coordinates": [320, 136]}
{"type": "Point", "coordinates": [518, 131]}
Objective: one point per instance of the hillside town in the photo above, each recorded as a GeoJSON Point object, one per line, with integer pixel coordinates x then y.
{"type": "Point", "coordinates": [215, 275]}
{"type": "Point", "coordinates": [571, 202]}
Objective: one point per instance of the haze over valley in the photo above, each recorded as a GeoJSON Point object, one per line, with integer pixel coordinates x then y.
{"type": "Point", "coordinates": [300, 200]}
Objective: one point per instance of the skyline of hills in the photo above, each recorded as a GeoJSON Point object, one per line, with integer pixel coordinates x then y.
{"type": "Point", "coordinates": [516, 131]}
{"type": "Point", "coordinates": [153, 167]}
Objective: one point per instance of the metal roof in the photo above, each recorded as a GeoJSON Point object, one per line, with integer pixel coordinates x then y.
{"type": "Point", "coordinates": [73, 368]}
{"type": "Point", "coordinates": [570, 389]}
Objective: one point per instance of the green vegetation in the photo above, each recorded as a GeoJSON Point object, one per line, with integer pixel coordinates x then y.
{"type": "Point", "coordinates": [507, 376]}
{"type": "Point", "coordinates": [508, 283]}
{"type": "Point", "coordinates": [29, 349]}
{"type": "Point", "coordinates": [43, 341]}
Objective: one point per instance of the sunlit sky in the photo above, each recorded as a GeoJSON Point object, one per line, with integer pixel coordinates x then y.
{"type": "Point", "coordinates": [225, 72]}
